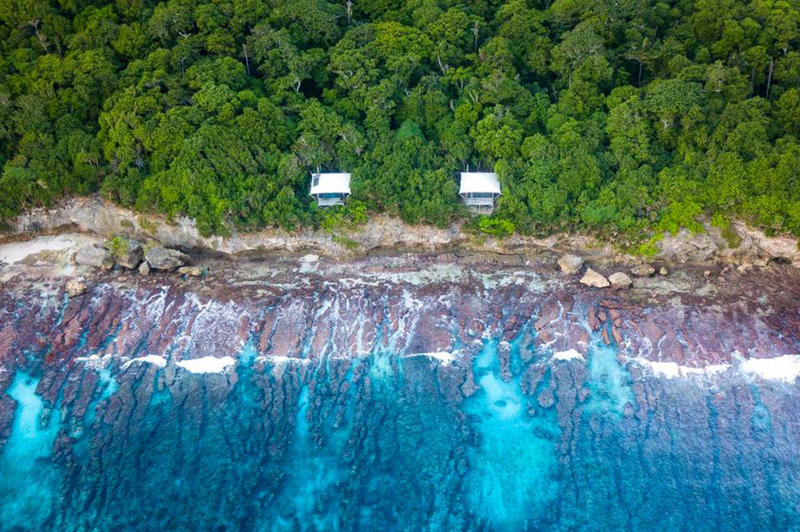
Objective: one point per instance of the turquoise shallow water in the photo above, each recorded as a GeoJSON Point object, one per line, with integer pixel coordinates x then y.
{"type": "Point", "coordinates": [513, 478]}
{"type": "Point", "coordinates": [28, 478]}
{"type": "Point", "coordinates": [391, 443]}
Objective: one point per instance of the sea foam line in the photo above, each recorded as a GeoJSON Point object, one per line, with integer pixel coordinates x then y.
{"type": "Point", "coordinates": [785, 368]}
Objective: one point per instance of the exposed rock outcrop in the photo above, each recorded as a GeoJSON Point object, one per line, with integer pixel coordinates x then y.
{"type": "Point", "coordinates": [191, 271]}
{"type": "Point", "coordinates": [95, 257]}
{"type": "Point", "coordinates": [166, 259]}
{"type": "Point", "coordinates": [127, 252]}
{"type": "Point", "coordinates": [74, 287]}
{"type": "Point", "coordinates": [103, 218]}
{"type": "Point", "coordinates": [570, 264]}
{"type": "Point", "coordinates": [594, 280]}
{"type": "Point", "coordinates": [643, 270]}
{"type": "Point", "coordinates": [620, 280]}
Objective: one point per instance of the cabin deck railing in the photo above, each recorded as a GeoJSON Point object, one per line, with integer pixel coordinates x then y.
{"type": "Point", "coordinates": [329, 202]}
{"type": "Point", "coordinates": [479, 202]}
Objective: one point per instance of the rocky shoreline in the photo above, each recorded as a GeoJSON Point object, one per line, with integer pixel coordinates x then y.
{"type": "Point", "coordinates": [385, 235]}
{"type": "Point", "coordinates": [348, 382]}
{"type": "Point", "coordinates": [503, 386]}
{"type": "Point", "coordinates": [652, 313]}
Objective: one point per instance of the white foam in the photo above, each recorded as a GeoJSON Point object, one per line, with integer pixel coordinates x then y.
{"type": "Point", "coordinates": [445, 357]}
{"type": "Point", "coordinates": [156, 360]}
{"type": "Point", "coordinates": [207, 364]}
{"type": "Point", "coordinates": [673, 370]}
{"type": "Point", "coordinates": [95, 362]}
{"type": "Point", "coordinates": [569, 354]}
{"type": "Point", "coordinates": [668, 370]}
{"type": "Point", "coordinates": [785, 368]}
{"type": "Point", "coordinates": [279, 359]}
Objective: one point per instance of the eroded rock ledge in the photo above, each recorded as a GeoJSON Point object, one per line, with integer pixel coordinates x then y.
{"type": "Point", "coordinates": [95, 215]}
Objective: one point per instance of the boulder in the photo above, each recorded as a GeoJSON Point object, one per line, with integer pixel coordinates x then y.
{"type": "Point", "coordinates": [191, 271]}
{"type": "Point", "coordinates": [74, 288]}
{"type": "Point", "coordinates": [95, 257]}
{"type": "Point", "coordinates": [620, 280]}
{"type": "Point", "coordinates": [643, 270]}
{"type": "Point", "coordinates": [161, 258]}
{"type": "Point", "coordinates": [144, 269]}
{"type": "Point", "coordinates": [570, 264]}
{"type": "Point", "coordinates": [663, 271]}
{"type": "Point", "coordinates": [128, 253]}
{"type": "Point", "coordinates": [593, 279]}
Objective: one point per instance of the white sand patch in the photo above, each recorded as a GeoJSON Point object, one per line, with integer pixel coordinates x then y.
{"type": "Point", "coordinates": [17, 251]}
{"type": "Point", "coordinates": [444, 357]}
{"type": "Point", "coordinates": [156, 360]}
{"type": "Point", "coordinates": [207, 364]}
{"type": "Point", "coordinates": [308, 263]}
{"type": "Point", "coordinates": [569, 354]}
{"type": "Point", "coordinates": [785, 368]}
{"type": "Point", "coordinates": [492, 281]}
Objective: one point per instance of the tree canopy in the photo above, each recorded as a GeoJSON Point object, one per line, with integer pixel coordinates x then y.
{"type": "Point", "coordinates": [617, 116]}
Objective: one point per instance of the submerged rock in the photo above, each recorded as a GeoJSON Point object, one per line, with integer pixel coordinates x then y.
{"type": "Point", "coordinates": [620, 280]}
{"type": "Point", "coordinates": [161, 258]}
{"type": "Point", "coordinates": [593, 279]}
{"type": "Point", "coordinates": [74, 288]}
{"type": "Point", "coordinates": [191, 271]}
{"type": "Point", "coordinates": [570, 264]}
{"type": "Point", "coordinates": [643, 270]}
{"type": "Point", "coordinates": [136, 388]}
{"type": "Point", "coordinates": [94, 257]}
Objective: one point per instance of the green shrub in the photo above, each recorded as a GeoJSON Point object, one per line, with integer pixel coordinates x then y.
{"type": "Point", "coordinates": [496, 227]}
{"type": "Point", "coordinates": [730, 235]}
{"type": "Point", "coordinates": [118, 246]}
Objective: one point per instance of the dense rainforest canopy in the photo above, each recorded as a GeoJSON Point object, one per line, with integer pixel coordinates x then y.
{"type": "Point", "coordinates": [611, 115]}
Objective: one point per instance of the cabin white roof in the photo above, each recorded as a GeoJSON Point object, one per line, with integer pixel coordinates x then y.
{"type": "Point", "coordinates": [479, 182]}
{"type": "Point", "coordinates": [331, 184]}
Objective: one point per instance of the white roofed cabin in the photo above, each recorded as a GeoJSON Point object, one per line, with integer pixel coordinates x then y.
{"type": "Point", "coordinates": [330, 189]}
{"type": "Point", "coordinates": [480, 190]}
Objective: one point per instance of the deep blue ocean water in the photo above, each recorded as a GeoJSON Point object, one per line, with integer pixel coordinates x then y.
{"type": "Point", "coordinates": [384, 443]}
